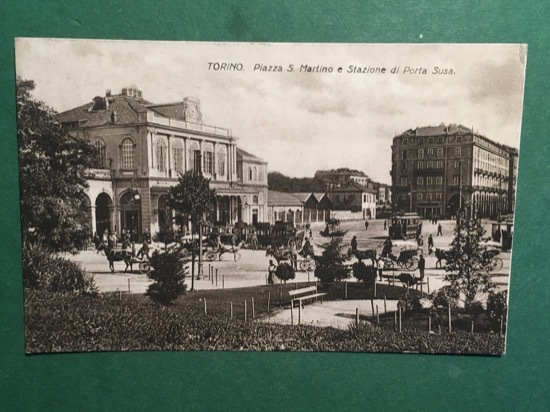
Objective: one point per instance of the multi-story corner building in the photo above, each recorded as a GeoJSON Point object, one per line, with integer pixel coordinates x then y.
{"type": "Point", "coordinates": [143, 147]}
{"type": "Point", "coordinates": [343, 177]}
{"type": "Point", "coordinates": [437, 169]}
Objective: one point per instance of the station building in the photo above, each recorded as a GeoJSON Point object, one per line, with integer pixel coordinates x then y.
{"type": "Point", "coordinates": [436, 169]}
{"type": "Point", "coordinates": [143, 147]}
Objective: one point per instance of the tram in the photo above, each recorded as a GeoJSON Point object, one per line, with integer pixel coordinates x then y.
{"type": "Point", "coordinates": [405, 226]}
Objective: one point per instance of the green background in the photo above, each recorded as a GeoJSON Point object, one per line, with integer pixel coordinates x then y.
{"type": "Point", "coordinates": [287, 381]}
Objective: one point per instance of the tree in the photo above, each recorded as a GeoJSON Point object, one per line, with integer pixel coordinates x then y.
{"type": "Point", "coordinates": [52, 173]}
{"type": "Point", "coordinates": [468, 264]}
{"type": "Point", "coordinates": [192, 198]}
{"type": "Point", "coordinates": [330, 265]}
{"type": "Point", "coordinates": [168, 277]}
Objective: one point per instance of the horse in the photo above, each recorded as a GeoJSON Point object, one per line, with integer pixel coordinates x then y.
{"type": "Point", "coordinates": [223, 248]}
{"type": "Point", "coordinates": [371, 254]}
{"type": "Point", "coordinates": [118, 256]}
{"type": "Point", "coordinates": [440, 254]}
{"type": "Point", "coordinates": [280, 254]}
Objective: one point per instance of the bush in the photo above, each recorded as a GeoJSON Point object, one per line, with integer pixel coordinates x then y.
{"type": "Point", "coordinates": [497, 306]}
{"type": "Point", "coordinates": [365, 273]}
{"type": "Point", "coordinates": [444, 297]}
{"type": "Point", "coordinates": [285, 272]}
{"type": "Point", "coordinates": [331, 273]}
{"type": "Point", "coordinates": [43, 270]}
{"type": "Point", "coordinates": [168, 275]}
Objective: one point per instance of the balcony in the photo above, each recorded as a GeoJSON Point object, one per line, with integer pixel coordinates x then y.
{"type": "Point", "coordinates": [180, 124]}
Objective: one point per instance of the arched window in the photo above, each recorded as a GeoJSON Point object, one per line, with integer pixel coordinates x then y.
{"type": "Point", "coordinates": [177, 150]}
{"type": "Point", "coordinates": [261, 174]}
{"type": "Point", "coordinates": [249, 173]}
{"type": "Point", "coordinates": [127, 154]}
{"type": "Point", "coordinates": [255, 173]}
{"type": "Point", "coordinates": [100, 153]}
{"type": "Point", "coordinates": [194, 157]}
{"type": "Point", "coordinates": [161, 154]}
{"type": "Point", "coordinates": [221, 162]}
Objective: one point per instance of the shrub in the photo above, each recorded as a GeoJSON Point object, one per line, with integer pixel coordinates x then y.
{"type": "Point", "coordinates": [330, 273]}
{"type": "Point", "coordinates": [444, 297]}
{"type": "Point", "coordinates": [497, 306]}
{"type": "Point", "coordinates": [365, 273]}
{"type": "Point", "coordinates": [43, 270]}
{"type": "Point", "coordinates": [168, 275]}
{"type": "Point", "coordinates": [285, 272]}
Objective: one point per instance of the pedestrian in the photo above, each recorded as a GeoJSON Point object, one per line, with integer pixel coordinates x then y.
{"type": "Point", "coordinates": [144, 250]}
{"type": "Point", "coordinates": [354, 244]}
{"type": "Point", "coordinates": [421, 266]}
{"type": "Point", "coordinates": [439, 232]}
{"type": "Point", "coordinates": [387, 249]}
{"type": "Point", "coordinates": [385, 225]}
{"type": "Point", "coordinates": [430, 244]}
{"type": "Point", "coordinates": [366, 225]}
{"type": "Point", "coordinates": [271, 270]}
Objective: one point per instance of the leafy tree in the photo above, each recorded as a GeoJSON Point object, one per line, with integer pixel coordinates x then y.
{"type": "Point", "coordinates": [192, 198]}
{"type": "Point", "coordinates": [330, 265]}
{"type": "Point", "coordinates": [166, 233]}
{"type": "Point", "coordinates": [365, 273]}
{"type": "Point", "coordinates": [52, 168]}
{"type": "Point", "coordinates": [467, 270]}
{"type": "Point", "coordinates": [168, 275]}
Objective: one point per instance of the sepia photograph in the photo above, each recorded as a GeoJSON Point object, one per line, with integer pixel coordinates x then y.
{"type": "Point", "coordinates": [327, 197]}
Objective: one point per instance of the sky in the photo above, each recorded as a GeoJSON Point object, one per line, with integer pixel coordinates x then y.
{"type": "Point", "coordinates": [299, 121]}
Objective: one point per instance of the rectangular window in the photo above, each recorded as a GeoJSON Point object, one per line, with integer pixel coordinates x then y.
{"type": "Point", "coordinates": [438, 180]}
{"type": "Point", "coordinates": [430, 151]}
{"type": "Point", "coordinates": [440, 152]}
{"type": "Point", "coordinates": [430, 164]}
{"type": "Point", "coordinates": [420, 140]}
{"type": "Point", "coordinates": [419, 196]}
{"type": "Point", "coordinates": [456, 180]}
{"type": "Point", "coordinates": [178, 159]}
{"type": "Point", "coordinates": [197, 161]}
{"type": "Point", "coordinates": [430, 139]}
{"type": "Point", "coordinates": [419, 181]}
{"type": "Point", "coordinates": [458, 151]}
{"type": "Point", "coordinates": [429, 181]}
{"type": "Point", "coordinates": [439, 164]}
{"type": "Point", "coordinates": [428, 196]}
{"type": "Point", "coordinates": [420, 165]}
{"type": "Point", "coordinates": [440, 139]}
{"type": "Point", "coordinates": [208, 163]}
{"type": "Point", "coordinates": [457, 164]}
{"type": "Point", "coordinates": [403, 181]}
{"type": "Point", "coordinates": [438, 196]}
{"type": "Point", "coordinates": [404, 154]}
{"type": "Point", "coordinates": [405, 141]}
{"type": "Point", "coordinates": [421, 153]}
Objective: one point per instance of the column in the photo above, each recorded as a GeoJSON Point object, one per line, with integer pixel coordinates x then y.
{"type": "Point", "coordinates": [92, 212]}
{"type": "Point", "coordinates": [185, 155]}
{"type": "Point", "coordinates": [215, 168]}
{"type": "Point", "coordinates": [169, 148]}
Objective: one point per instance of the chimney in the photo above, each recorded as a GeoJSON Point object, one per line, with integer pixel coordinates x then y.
{"type": "Point", "coordinates": [108, 93]}
{"type": "Point", "coordinates": [114, 117]}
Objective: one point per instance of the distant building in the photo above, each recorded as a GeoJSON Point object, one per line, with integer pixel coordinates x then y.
{"type": "Point", "coordinates": [436, 169]}
{"type": "Point", "coordinates": [355, 198]}
{"type": "Point", "coordinates": [141, 149]}
{"type": "Point", "coordinates": [343, 177]}
{"type": "Point", "coordinates": [284, 207]}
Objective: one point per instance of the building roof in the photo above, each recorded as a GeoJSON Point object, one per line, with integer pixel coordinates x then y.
{"type": "Point", "coordinates": [275, 198]}
{"type": "Point", "coordinates": [248, 156]}
{"type": "Point", "coordinates": [303, 196]}
{"type": "Point", "coordinates": [352, 187]}
{"type": "Point", "coordinates": [99, 111]}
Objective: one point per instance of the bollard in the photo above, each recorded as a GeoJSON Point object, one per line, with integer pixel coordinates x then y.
{"type": "Point", "coordinates": [428, 284]}
{"type": "Point", "coordinates": [268, 301]}
{"type": "Point", "coordinates": [375, 288]}
{"type": "Point", "coordinates": [501, 324]}
{"type": "Point", "coordinates": [231, 310]}
{"type": "Point", "coordinates": [450, 329]}
{"type": "Point", "coordinates": [129, 286]}
{"type": "Point", "coordinates": [429, 323]}
{"type": "Point", "coordinates": [372, 307]}
{"type": "Point", "coordinates": [291, 313]}
{"type": "Point", "coordinates": [395, 320]}
{"type": "Point", "coordinates": [209, 271]}
{"type": "Point", "coordinates": [205, 312]}
{"type": "Point", "coordinates": [377, 315]}
{"type": "Point", "coordinates": [216, 276]}
{"type": "Point", "coordinates": [385, 310]}
{"type": "Point", "coordinates": [299, 312]}
{"type": "Point", "coordinates": [472, 331]}
{"type": "Point", "coordinates": [223, 281]}
{"type": "Point", "coordinates": [119, 295]}
{"type": "Point", "coordinates": [356, 317]}
{"type": "Point", "coordinates": [245, 310]}
{"type": "Point", "coordinates": [252, 308]}
{"type": "Point", "coordinates": [345, 289]}
{"type": "Point", "coordinates": [280, 295]}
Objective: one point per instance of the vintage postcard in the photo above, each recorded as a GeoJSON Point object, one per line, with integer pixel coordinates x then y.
{"type": "Point", "coordinates": [264, 196]}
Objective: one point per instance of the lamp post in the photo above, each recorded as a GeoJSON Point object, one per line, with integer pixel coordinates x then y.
{"type": "Point", "coordinates": [136, 197]}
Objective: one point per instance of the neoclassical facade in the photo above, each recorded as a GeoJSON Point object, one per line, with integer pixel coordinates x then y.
{"type": "Point", "coordinates": [142, 148]}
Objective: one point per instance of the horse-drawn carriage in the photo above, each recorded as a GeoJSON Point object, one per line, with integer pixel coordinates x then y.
{"type": "Point", "coordinates": [406, 258]}
{"type": "Point", "coordinates": [281, 234]}
{"type": "Point", "coordinates": [125, 255]}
